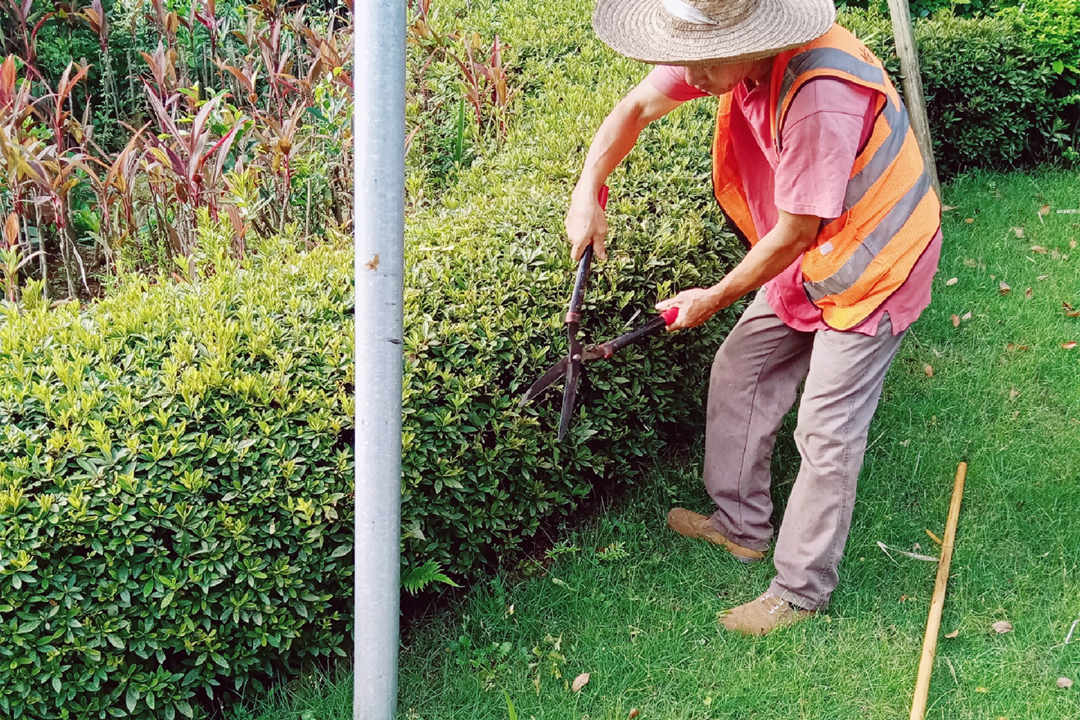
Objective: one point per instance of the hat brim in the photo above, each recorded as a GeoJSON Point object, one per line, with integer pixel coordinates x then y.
{"type": "Point", "coordinates": [644, 31]}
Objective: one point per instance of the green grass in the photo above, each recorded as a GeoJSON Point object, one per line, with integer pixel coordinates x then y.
{"type": "Point", "coordinates": [323, 694]}
{"type": "Point", "coordinates": [625, 600]}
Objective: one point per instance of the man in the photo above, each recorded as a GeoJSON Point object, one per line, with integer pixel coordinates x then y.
{"type": "Point", "coordinates": [815, 163]}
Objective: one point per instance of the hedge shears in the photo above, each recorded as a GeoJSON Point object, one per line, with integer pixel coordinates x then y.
{"type": "Point", "coordinates": [570, 366]}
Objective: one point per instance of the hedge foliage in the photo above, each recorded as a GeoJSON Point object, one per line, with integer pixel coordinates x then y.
{"type": "Point", "coordinates": [996, 96]}
{"type": "Point", "coordinates": [488, 279]}
{"type": "Point", "coordinates": [175, 486]}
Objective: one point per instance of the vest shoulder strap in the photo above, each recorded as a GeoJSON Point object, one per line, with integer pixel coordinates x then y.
{"type": "Point", "coordinates": [837, 54]}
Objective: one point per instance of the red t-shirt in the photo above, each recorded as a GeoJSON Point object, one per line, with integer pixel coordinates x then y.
{"type": "Point", "coordinates": [828, 121]}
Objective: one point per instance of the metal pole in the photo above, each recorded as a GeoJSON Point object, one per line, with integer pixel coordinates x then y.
{"type": "Point", "coordinates": [379, 181]}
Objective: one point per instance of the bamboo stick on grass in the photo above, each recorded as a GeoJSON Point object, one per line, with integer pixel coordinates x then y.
{"type": "Point", "coordinates": [937, 602]}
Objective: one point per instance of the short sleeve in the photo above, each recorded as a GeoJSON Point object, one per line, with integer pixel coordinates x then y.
{"type": "Point", "coordinates": [670, 80]}
{"type": "Point", "coordinates": [827, 123]}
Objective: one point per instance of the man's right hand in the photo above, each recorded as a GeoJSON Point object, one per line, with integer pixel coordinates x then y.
{"type": "Point", "coordinates": [586, 225]}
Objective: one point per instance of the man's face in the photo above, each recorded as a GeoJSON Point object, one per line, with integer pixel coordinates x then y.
{"type": "Point", "coordinates": [720, 78]}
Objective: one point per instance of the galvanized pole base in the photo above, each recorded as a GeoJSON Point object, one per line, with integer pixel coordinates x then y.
{"type": "Point", "coordinates": [379, 128]}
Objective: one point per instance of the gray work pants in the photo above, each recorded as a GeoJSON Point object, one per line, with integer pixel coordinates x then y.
{"type": "Point", "coordinates": [753, 384]}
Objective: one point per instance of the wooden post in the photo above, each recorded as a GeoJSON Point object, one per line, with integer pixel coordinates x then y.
{"type": "Point", "coordinates": [913, 92]}
{"type": "Point", "coordinates": [937, 602]}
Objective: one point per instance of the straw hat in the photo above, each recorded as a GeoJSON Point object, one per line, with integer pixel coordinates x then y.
{"type": "Point", "coordinates": [689, 32]}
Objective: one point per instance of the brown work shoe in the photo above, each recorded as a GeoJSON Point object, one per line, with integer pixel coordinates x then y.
{"type": "Point", "coordinates": [693, 525]}
{"type": "Point", "coordinates": [764, 613]}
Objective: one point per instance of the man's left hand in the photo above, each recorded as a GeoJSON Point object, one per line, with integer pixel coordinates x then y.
{"type": "Point", "coordinates": [695, 307]}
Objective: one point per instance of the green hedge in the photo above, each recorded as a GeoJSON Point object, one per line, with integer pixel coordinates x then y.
{"type": "Point", "coordinates": [175, 487]}
{"type": "Point", "coordinates": [488, 279]}
{"type": "Point", "coordinates": [925, 8]}
{"type": "Point", "coordinates": [995, 97]}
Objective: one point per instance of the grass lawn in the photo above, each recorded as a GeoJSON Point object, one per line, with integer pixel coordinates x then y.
{"type": "Point", "coordinates": [987, 375]}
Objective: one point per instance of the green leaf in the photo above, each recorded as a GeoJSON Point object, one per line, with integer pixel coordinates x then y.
{"type": "Point", "coordinates": [416, 579]}
{"type": "Point", "coordinates": [131, 698]}
{"type": "Point", "coordinates": [510, 710]}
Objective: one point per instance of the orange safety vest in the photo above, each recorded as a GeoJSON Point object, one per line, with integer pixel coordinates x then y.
{"type": "Point", "coordinates": [891, 212]}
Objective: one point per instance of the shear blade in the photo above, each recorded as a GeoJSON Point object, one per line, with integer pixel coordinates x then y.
{"type": "Point", "coordinates": [573, 378]}
{"type": "Point", "coordinates": [555, 372]}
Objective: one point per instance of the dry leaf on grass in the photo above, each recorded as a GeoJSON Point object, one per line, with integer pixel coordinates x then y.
{"type": "Point", "coordinates": [951, 281]}
{"type": "Point", "coordinates": [981, 689]}
{"type": "Point", "coordinates": [956, 320]}
{"type": "Point", "coordinates": [1013, 394]}
{"type": "Point", "coordinates": [1072, 244]}
{"type": "Point", "coordinates": [970, 262]}
{"type": "Point", "coordinates": [1064, 683]}
{"type": "Point", "coordinates": [969, 220]}
{"type": "Point", "coordinates": [1043, 212]}
{"type": "Point", "coordinates": [953, 634]}
{"type": "Point", "coordinates": [947, 208]}
{"type": "Point", "coordinates": [1068, 345]}
{"type": "Point", "coordinates": [579, 682]}
{"type": "Point", "coordinates": [1003, 288]}
{"type": "Point", "coordinates": [1002, 626]}
{"type": "Point", "coordinates": [933, 537]}
{"type": "Point", "coordinates": [1042, 277]}
{"type": "Point", "coordinates": [1069, 310]}
{"type": "Point", "coordinates": [929, 370]}
{"type": "Point", "coordinates": [966, 316]}
{"type": "Point", "coordinates": [1028, 293]}
{"type": "Point", "coordinates": [1038, 249]}
{"type": "Point", "coordinates": [1018, 231]}
{"type": "Point", "coordinates": [633, 714]}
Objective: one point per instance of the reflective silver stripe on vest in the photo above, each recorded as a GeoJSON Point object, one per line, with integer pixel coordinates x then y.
{"type": "Point", "coordinates": [873, 244]}
{"type": "Point", "coordinates": [826, 58]}
{"type": "Point", "coordinates": [883, 157]}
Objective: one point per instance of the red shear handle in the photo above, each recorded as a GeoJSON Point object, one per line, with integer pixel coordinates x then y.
{"type": "Point", "coordinates": [602, 198]}
{"type": "Point", "coordinates": [655, 326]}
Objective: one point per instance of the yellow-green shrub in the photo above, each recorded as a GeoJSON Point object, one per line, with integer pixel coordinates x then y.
{"type": "Point", "coordinates": [175, 487]}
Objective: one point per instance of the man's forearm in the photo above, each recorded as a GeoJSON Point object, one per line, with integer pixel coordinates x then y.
{"type": "Point", "coordinates": [614, 138]}
{"type": "Point", "coordinates": [788, 239]}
